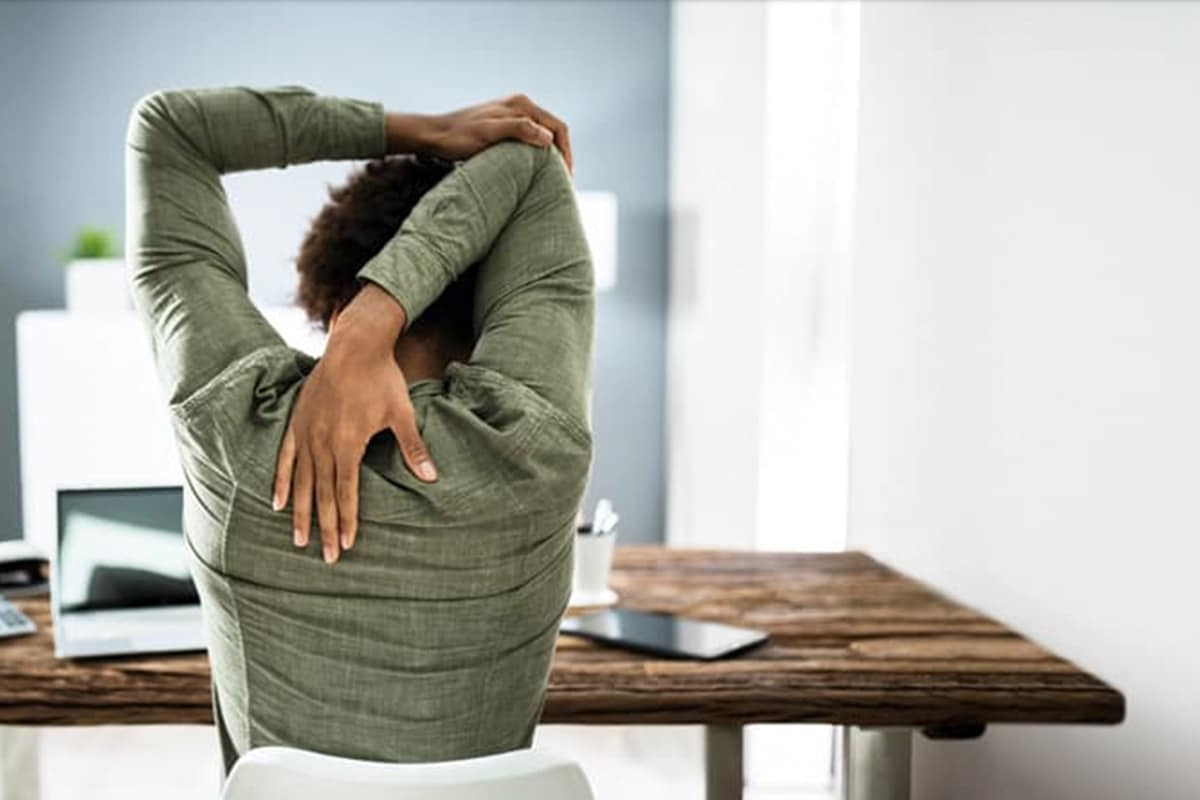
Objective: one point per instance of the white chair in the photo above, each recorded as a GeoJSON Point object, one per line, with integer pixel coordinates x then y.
{"type": "Point", "coordinates": [266, 773]}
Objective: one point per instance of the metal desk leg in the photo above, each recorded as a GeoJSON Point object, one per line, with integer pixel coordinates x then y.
{"type": "Point", "coordinates": [18, 763]}
{"type": "Point", "coordinates": [876, 763]}
{"type": "Point", "coordinates": [723, 762]}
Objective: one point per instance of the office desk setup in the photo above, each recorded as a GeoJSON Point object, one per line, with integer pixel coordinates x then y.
{"type": "Point", "coordinates": [852, 643]}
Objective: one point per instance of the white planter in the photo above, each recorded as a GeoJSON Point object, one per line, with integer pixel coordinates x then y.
{"type": "Point", "coordinates": [98, 284]}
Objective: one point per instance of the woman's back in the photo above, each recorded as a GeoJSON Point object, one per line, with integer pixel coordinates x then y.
{"type": "Point", "coordinates": [432, 638]}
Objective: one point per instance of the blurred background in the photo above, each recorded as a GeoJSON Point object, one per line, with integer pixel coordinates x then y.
{"type": "Point", "coordinates": [914, 278]}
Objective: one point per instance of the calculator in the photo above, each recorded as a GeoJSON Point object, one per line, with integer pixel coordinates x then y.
{"type": "Point", "coordinates": [12, 621]}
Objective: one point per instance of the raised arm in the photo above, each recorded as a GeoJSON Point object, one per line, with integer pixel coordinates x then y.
{"type": "Point", "coordinates": [513, 206]}
{"type": "Point", "coordinates": [187, 267]}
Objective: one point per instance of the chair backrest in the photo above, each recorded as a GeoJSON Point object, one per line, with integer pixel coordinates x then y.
{"type": "Point", "coordinates": [265, 773]}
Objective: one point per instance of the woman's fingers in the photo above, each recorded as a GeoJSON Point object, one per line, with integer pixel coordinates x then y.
{"type": "Point", "coordinates": [327, 514]}
{"type": "Point", "coordinates": [556, 126]}
{"type": "Point", "coordinates": [346, 466]}
{"type": "Point", "coordinates": [563, 138]}
{"type": "Point", "coordinates": [463, 133]}
{"type": "Point", "coordinates": [412, 447]}
{"type": "Point", "coordinates": [284, 464]}
{"type": "Point", "coordinates": [521, 128]}
{"type": "Point", "coordinates": [302, 495]}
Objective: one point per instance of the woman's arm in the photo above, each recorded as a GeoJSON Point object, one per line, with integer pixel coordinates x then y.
{"type": "Point", "coordinates": [186, 263]}
{"type": "Point", "coordinates": [513, 207]}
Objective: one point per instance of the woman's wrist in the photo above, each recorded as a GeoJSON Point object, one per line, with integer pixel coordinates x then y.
{"type": "Point", "coordinates": [408, 133]}
{"type": "Point", "coordinates": [371, 322]}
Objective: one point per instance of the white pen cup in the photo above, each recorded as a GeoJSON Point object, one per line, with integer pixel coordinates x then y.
{"type": "Point", "coordinates": [593, 562]}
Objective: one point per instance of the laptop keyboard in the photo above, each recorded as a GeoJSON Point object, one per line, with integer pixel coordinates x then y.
{"type": "Point", "coordinates": [12, 621]}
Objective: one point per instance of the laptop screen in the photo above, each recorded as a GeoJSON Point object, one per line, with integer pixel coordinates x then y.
{"type": "Point", "coordinates": [122, 548]}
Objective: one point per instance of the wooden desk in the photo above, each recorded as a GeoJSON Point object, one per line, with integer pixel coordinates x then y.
{"type": "Point", "coordinates": [852, 643]}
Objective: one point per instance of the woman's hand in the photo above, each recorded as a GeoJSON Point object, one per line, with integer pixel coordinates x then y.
{"type": "Point", "coordinates": [355, 391]}
{"type": "Point", "coordinates": [463, 133]}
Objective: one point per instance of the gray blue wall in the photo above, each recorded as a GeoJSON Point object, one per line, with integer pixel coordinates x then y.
{"type": "Point", "coordinates": [69, 73]}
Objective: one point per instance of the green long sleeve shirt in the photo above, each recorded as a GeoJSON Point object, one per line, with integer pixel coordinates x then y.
{"type": "Point", "coordinates": [433, 637]}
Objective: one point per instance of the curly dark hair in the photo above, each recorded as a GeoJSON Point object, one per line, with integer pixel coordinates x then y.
{"type": "Point", "coordinates": [361, 216]}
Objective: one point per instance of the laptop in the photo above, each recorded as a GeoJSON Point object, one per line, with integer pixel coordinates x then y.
{"type": "Point", "coordinates": [120, 581]}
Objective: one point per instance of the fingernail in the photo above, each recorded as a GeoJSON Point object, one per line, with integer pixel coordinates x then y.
{"type": "Point", "coordinates": [330, 555]}
{"type": "Point", "coordinates": [297, 538]}
{"type": "Point", "coordinates": [276, 503]}
{"type": "Point", "coordinates": [345, 541]}
{"type": "Point", "coordinates": [426, 471]}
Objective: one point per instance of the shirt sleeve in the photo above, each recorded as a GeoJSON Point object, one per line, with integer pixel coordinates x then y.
{"type": "Point", "coordinates": [510, 208]}
{"type": "Point", "coordinates": [185, 260]}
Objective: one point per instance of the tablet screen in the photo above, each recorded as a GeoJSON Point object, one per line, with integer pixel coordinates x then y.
{"type": "Point", "coordinates": [663, 634]}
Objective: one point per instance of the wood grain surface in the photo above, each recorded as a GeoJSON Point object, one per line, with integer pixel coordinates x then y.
{"type": "Point", "coordinates": [852, 642]}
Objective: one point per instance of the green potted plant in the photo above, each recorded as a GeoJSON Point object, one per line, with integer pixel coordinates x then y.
{"type": "Point", "coordinates": [95, 272]}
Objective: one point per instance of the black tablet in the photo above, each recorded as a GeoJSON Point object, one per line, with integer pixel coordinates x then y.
{"type": "Point", "coordinates": [663, 634]}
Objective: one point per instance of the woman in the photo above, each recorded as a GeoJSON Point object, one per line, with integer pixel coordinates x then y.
{"type": "Point", "coordinates": [426, 630]}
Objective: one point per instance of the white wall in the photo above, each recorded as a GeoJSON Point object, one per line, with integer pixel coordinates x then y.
{"type": "Point", "coordinates": [810, 113]}
{"type": "Point", "coordinates": [1025, 412]}
{"type": "Point", "coordinates": [717, 201]}
{"type": "Point", "coordinates": [762, 145]}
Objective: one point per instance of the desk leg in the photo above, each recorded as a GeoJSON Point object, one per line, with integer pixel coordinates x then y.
{"type": "Point", "coordinates": [723, 762]}
{"type": "Point", "coordinates": [18, 763]}
{"type": "Point", "coordinates": [876, 763]}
